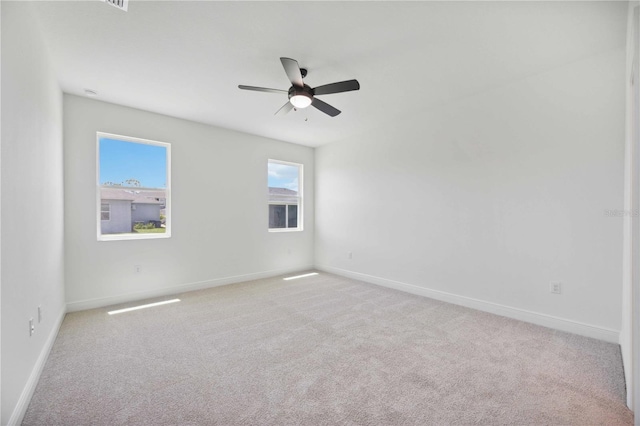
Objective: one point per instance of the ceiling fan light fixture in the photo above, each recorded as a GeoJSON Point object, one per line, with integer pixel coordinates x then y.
{"type": "Point", "coordinates": [300, 100]}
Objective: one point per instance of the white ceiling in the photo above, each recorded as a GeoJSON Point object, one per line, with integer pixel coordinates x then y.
{"type": "Point", "coordinates": [186, 59]}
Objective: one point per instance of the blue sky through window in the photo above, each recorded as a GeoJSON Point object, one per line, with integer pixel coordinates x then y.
{"type": "Point", "coordinates": [283, 176]}
{"type": "Point", "coordinates": [122, 160]}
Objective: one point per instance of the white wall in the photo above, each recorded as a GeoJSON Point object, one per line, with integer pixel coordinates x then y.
{"type": "Point", "coordinates": [32, 266]}
{"type": "Point", "coordinates": [489, 198]}
{"type": "Point", "coordinates": [631, 236]}
{"type": "Point", "coordinates": [219, 208]}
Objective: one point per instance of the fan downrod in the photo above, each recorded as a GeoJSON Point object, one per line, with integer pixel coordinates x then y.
{"type": "Point", "coordinates": [303, 71]}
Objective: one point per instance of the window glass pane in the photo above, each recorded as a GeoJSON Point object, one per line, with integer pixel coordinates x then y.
{"type": "Point", "coordinates": [283, 176]}
{"type": "Point", "coordinates": [133, 187]}
{"type": "Point", "coordinates": [134, 211]}
{"type": "Point", "coordinates": [293, 216]}
{"type": "Point", "coordinates": [125, 163]}
{"type": "Point", "coordinates": [277, 216]}
{"type": "Point", "coordinates": [283, 183]}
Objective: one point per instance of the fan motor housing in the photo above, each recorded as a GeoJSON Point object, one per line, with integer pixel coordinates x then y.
{"type": "Point", "coordinates": [304, 91]}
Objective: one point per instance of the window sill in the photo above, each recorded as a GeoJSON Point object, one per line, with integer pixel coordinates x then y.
{"type": "Point", "coordinates": [123, 237]}
{"type": "Point", "coordinates": [286, 229]}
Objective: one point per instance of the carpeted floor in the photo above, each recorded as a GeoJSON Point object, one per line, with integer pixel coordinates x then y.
{"type": "Point", "coordinates": [322, 350]}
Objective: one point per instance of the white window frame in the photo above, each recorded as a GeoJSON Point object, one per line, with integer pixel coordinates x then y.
{"type": "Point", "coordinates": [132, 236]}
{"type": "Point", "coordinates": [300, 226]}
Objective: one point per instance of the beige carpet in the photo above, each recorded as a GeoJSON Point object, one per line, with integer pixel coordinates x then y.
{"type": "Point", "coordinates": [322, 350]}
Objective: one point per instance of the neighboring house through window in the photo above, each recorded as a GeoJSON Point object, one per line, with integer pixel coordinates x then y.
{"type": "Point", "coordinates": [133, 191]}
{"type": "Point", "coordinates": [285, 196]}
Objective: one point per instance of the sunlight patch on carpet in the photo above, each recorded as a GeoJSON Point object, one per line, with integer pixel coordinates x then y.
{"type": "Point", "coordinates": [300, 276]}
{"type": "Point", "coordinates": [135, 308]}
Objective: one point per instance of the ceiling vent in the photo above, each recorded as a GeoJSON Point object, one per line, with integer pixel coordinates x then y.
{"type": "Point", "coordinates": [120, 4]}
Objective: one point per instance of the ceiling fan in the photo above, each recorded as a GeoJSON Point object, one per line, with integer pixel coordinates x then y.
{"type": "Point", "coordinates": [301, 95]}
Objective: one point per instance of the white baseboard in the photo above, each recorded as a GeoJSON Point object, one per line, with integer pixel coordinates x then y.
{"type": "Point", "coordinates": [82, 305]}
{"type": "Point", "coordinates": [25, 397]}
{"type": "Point", "coordinates": [544, 320]}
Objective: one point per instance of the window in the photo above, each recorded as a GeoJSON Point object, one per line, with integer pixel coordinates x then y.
{"type": "Point", "coordinates": [133, 188]}
{"type": "Point", "coordinates": [285, 196]}
{"type": "Point", "coordinates": [105, 211]}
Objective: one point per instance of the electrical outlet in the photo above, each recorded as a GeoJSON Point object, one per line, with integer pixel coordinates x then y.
{"type": "Point", "coordinates": [555, 287]}
{"type": "Point", "coordinates": [137, 269]}
{"type": "Point", "coordinates": [39, 314]}
{"type": "Point", "coordinates": [32, 328]}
